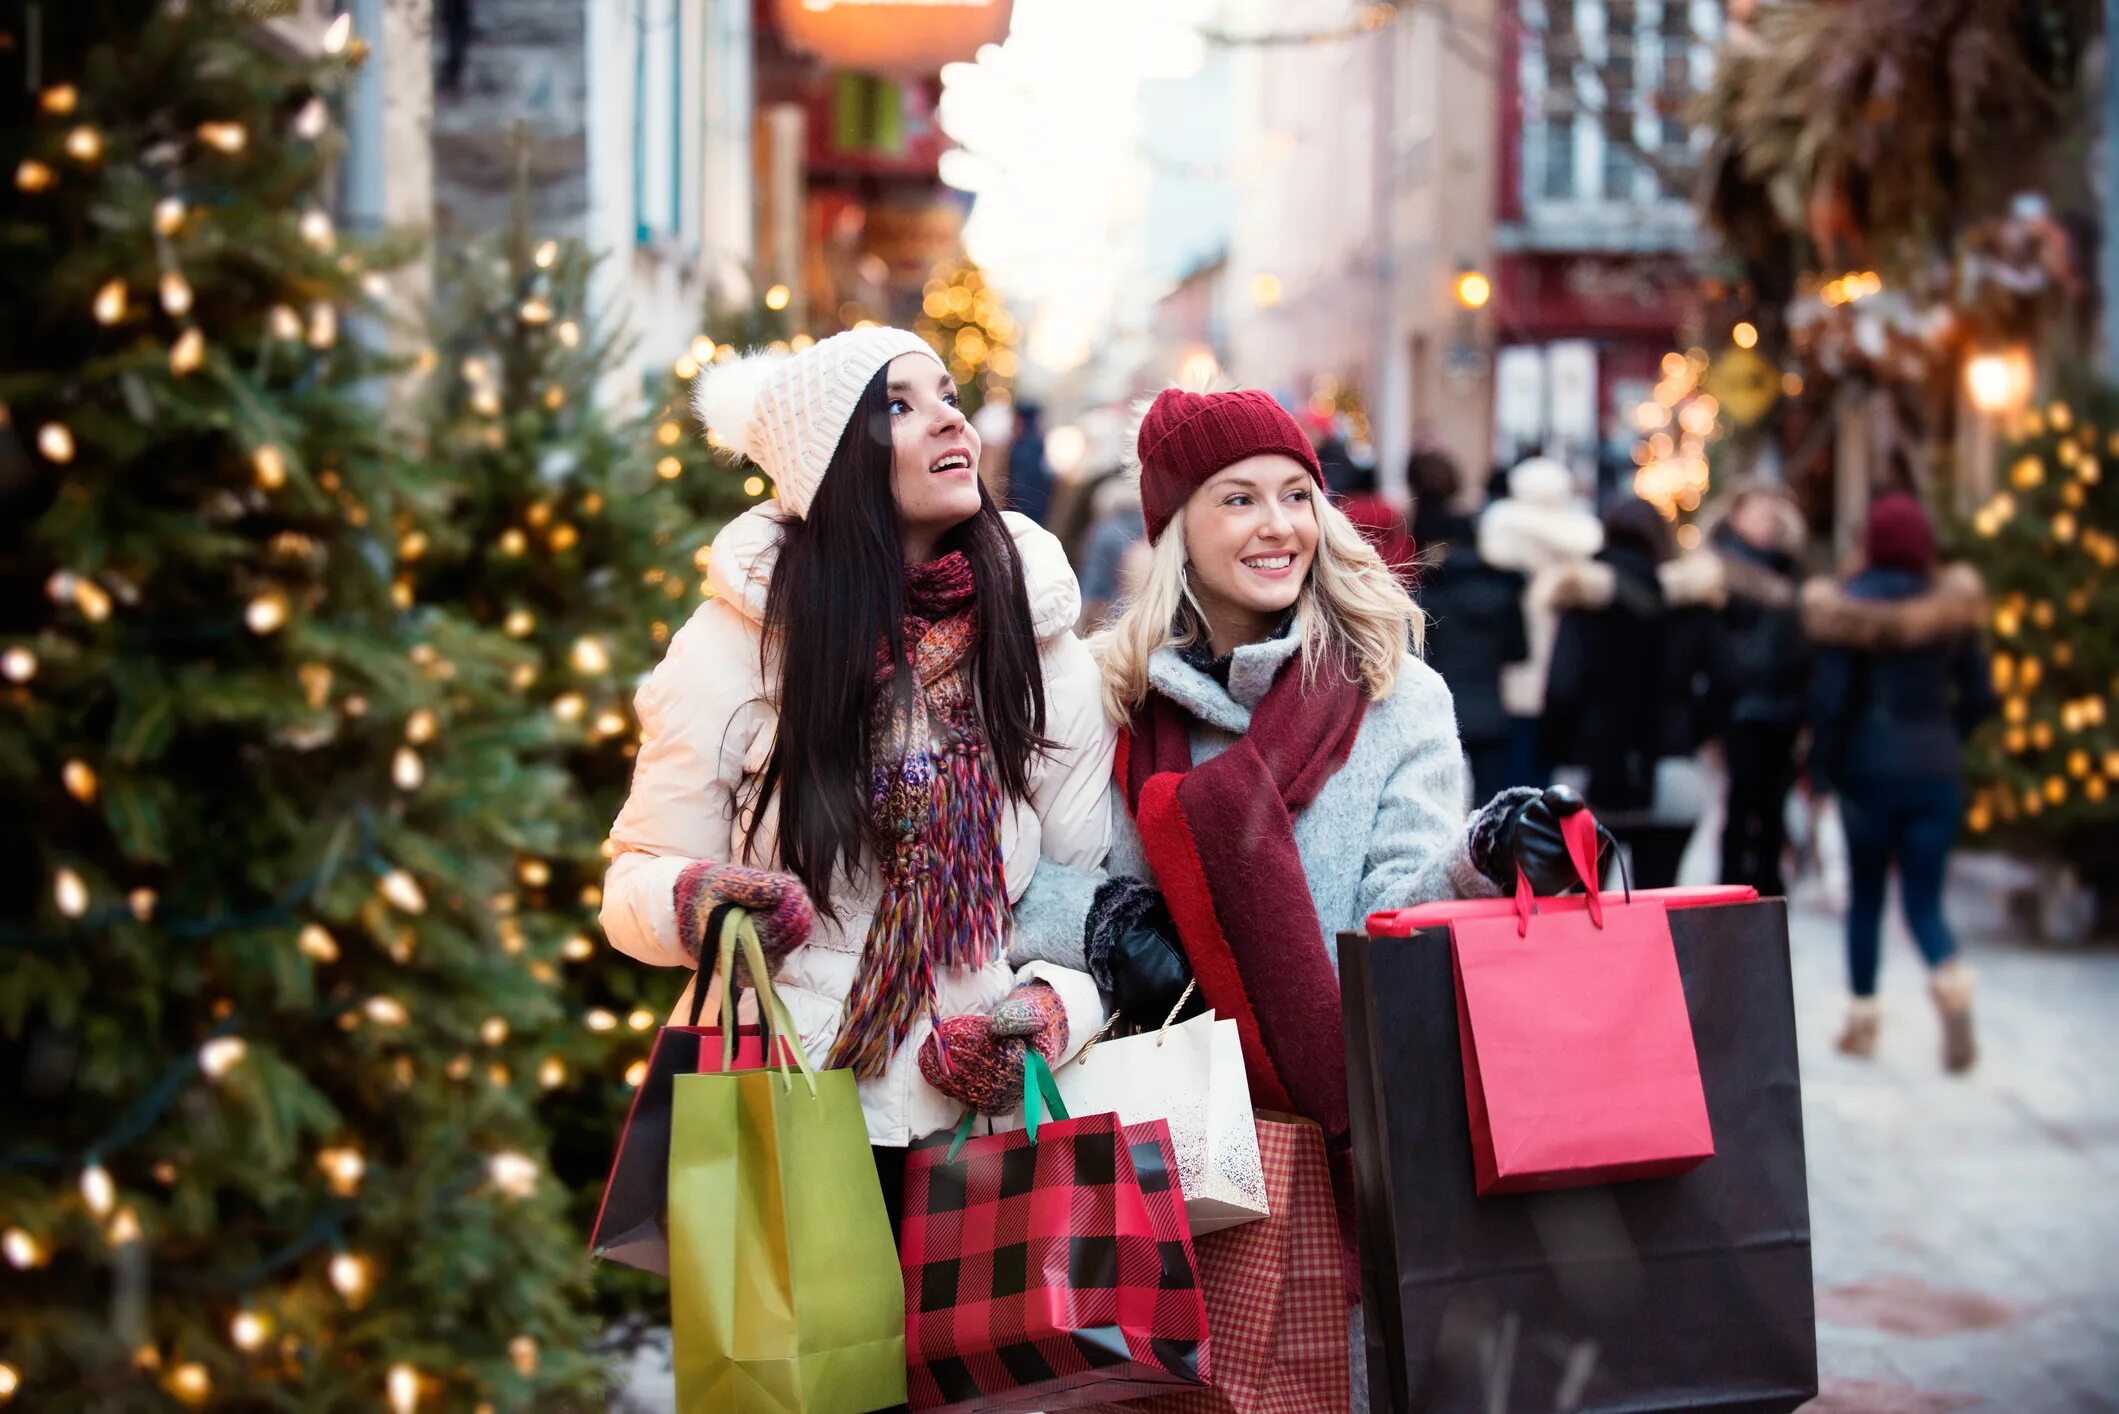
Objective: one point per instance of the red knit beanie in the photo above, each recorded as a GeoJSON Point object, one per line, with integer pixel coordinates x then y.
{"type": "Point", "coordinates": [1899, 535]}
{"type": "Point", "coordinates": [1187, 437]}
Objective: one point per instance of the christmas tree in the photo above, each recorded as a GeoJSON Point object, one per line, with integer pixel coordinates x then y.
{"type": "Point", "coordinates": [2046, 772]}
{"type": "Point", "coordinates": [961, 315]}
{"type": "Point", "coordinates": [271, 1036]}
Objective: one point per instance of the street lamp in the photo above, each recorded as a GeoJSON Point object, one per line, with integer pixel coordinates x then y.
{"type": "Point", "coordinates": [1473, 289]}
{"type": "Point", "coordinates": [1998, 380]}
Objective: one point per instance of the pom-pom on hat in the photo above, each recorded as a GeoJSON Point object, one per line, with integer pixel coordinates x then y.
{"type": "Point", "coordinates": [787, 411]}
{"type": "Point", "coordinates": [1187, 437]}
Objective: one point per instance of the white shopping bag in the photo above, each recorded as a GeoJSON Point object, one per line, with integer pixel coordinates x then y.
{"type": "Point", "coordinates": [1190, 1076]}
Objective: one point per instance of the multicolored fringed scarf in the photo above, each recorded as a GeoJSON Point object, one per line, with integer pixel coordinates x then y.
{"type": "Point", "coordinates": [945, 900]}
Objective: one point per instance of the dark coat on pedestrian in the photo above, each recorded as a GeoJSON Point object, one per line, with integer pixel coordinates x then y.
{"type": "Point", "coordinates": [1766, 658]}
{"type": "Point", "coordinates": [1635, 677]}
{"type": "Point", "coordinates": [1902, 677]}
{"type": "Point", "coordinates": [1474, 623]}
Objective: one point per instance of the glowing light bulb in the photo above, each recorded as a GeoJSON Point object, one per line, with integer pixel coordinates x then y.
{"type": "Point", "coordinates": [513, 1174]}
{"type": "Point", "coordinates": [311, 123]}
{"type": "Point", "coordinates": [60, 99]}
{"type": "Point", "coordinates": [316, 942]}
{"type": "Point", "coordinates": [80, 779]}
{"type": "Point", "coordinates": [267, 613]}
{"type": "Point", "coordinates": [702, 348]}
{"type": "Point", "coordinates": [591, 657]}
{"type": "Point", "coordinates": [124, 1228]}
{"type": "Point", "coordinates": [109, 304]}
{"type": "Point", "coordinates": [552, 1073]}
{"type": "Point", "coordinates": [777, 297]}
{"type": "Point", "coordinates": [493, 1031]}
{"type": "Point", "coordinates": [402, 1383]}
{"type": "Point", "coordinates": [285, 323]}
{"type": "Point", "coordinates": [685, 368]}
{"type": "Point", "coordinates": [577, 948]}
{"type": "Point", "coordinates": [753, 485]}
{"type": "Point", "coordinates": [640, 1019]}
{"type": "Point", "coordinates": [91, 600]}
{"type": "Point", "coordinates": [70, 893]}
{"type": "Point", "coordinates": [142, 903]}
{"type": "Point", "coordinates": [387, 1011]}
{"type": "Point", "coordinates": [187, 353]}
{"type": "Point", "coordinates": [84, 144]}
{"type": "Point", "coordinates": [176, 293]}
{"type": "Point", "coordinates": [535, 311]}
{"type": "Point", "coordinates": [56, 441]}
{"type": "Point", "coordinates": [221, 1054]}
{"type": "Point", "coordinates": [546, 254]}
{"type": "Point", "coordinates": [315, 227]}
{"type": "Point", "coordinates": [344, 1168]}
{"type": "Point", "coordinates": [9, 1382]}
{"type": "Point", "coordinates": [269, 464]}
{"type": "Point", "coordinates": [190, 1382]}
{"type": "Point", "coordinates": [323, 325]}
{"type": "Point", "coordinates": [22, 1250]}
{"type": "Point", "coordinates": [569, 334]}
{"type": "Point", "coordinates": [402, 890]}
{"type": "Point", "coordinates": [34, 176]}
{"type": "Point", "coordinates": [569, 707]}
{"type": "Point", "coordinates": [98, 1191]}
{"type": "Point", "coordinates": [406, 769]}
{"type": "Point", "coordinates": [338, 34]}
{"type": "Point", "coordinates": [349, 1276]}
{"type": "Point", "coordinates": [635, 1073]}
{"type": "Point", "coordinates": [669, 468]}
{"type": "Point", "coordinates": [248, 1330]}
{"type": "Point", "coordinates": [601, 1020]}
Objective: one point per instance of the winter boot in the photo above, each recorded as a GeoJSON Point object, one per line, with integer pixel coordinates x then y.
{"type": "Point", "coordinates": [1951, 986]}
{"type": "Point", "coordinates": [1858, 1037]}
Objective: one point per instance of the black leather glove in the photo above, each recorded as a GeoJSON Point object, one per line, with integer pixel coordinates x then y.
{"type": "Point", "coordinates": [1135, 955]}
{"type": "Point", "coordinates": [1520, 828]}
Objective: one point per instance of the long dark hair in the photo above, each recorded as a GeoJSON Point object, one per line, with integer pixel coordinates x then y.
{"type": "Point", "coordinates": [837, 595]}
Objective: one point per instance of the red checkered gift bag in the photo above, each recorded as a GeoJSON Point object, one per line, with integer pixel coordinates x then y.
{"type": "Point", "coordinates": [1276, 1294]}
{"type": "Point", "coordinates": [1049, 1267]}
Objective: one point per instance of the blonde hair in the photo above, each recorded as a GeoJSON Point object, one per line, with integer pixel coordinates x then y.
{"type": "Point", "coordinates": [1352, 614]}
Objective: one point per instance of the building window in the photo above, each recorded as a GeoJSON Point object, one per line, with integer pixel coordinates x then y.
{"type": "Point", "coordinates": [1606, 89]}
{"type": "Point", "coordinates": [1559, 159]}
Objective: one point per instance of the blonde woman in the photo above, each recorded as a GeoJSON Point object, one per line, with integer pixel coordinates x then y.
{"type": "Point", "coordinates": [1286, 764]}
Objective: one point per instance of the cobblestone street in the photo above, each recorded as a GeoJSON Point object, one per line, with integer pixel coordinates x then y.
{"type": "Point", "coordinates": [1966, 1238]}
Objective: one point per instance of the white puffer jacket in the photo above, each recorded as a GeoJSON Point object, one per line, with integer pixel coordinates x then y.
{"type": "Point", "coordinates": [707, 730]}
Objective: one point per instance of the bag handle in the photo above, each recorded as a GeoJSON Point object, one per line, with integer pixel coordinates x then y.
{"type": "Point", "coordinates": [733, 928]}
{"type": "Point", "coordinates": [1191, 985]}
{"type": "Point", "coordinates": [705, 978]}
{"type": "Point", "coordinates": [1583, 836]}
{"type": "Point", "coordinates": [1041, 1101]}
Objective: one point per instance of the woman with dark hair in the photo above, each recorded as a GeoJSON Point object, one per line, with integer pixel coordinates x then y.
{"type": "Point", "coordinates": [869, 734]}
{"type": "Point", "coordinates": [1633, 688]}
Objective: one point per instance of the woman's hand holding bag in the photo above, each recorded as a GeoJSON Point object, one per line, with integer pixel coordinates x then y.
{"type": "Point", "coordinates": [979, 1060]}
{"type": "Point", "coordinates": [1519, 834]}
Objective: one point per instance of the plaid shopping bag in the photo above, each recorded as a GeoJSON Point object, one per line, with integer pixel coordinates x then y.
{"type": "Point", "coordinates": [1049, 1268]}
{"type": "Point", "coordinates": [1275, 1293]}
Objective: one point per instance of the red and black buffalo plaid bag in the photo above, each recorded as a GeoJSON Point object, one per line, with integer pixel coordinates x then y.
{"type": "Point", "coordinates": [1050, 1267]}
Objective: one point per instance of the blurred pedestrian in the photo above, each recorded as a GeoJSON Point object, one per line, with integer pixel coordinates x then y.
{"type": "Point", "coordinates": [1029, 475]}
{"type": "Point", "coordinates": [1901, 680]}
{"type": "Point", "coordinates": [1768, 662]}
{"type": "Point", "coordinates": [1380, 523]}
{"type": "Point", "coordinates": [1632, 690]}
{"type": "Point", "coordinates": [1474, 619]}
{"type": "Point", "coordinates": [1329, 443]}
{"type": "Point", "coordinates": [1537, 530]}
{"type": "Point", "coordinates": [1111, 552]}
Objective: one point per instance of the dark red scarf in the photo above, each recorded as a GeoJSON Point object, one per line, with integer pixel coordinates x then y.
{"type": "Point", "coordinates": [1220, 839]}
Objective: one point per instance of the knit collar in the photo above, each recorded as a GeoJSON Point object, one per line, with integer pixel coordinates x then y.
{"type": "Point", "coordinates": [938, 588]}
{"type": "Point", "coordinates": [1224, 704]}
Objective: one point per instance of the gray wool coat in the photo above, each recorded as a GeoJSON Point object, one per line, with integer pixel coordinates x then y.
{"type": "Point", "coordinates": [1387, 831]}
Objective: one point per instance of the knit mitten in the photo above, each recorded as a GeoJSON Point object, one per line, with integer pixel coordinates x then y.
{"type": "Point", "coordinates": [981, 1070]}
{"type": "Point", "coordinates": [1033, 1013]}
{"type": "Point", "coordinates": [1491, 834]}
{"type": "Point", "coordinates": [777, 903]}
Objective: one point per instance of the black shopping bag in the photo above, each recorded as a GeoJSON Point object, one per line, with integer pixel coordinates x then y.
{"type": "Point", "coordinates": [1678, 1293]}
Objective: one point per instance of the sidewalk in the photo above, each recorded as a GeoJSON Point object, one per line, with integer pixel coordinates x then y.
{"type": "Point", "coordinates": [1966, 1231]}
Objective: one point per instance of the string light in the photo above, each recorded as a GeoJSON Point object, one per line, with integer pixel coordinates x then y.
{"type": "Point", "coordinates": [458, 1068]}
{"type": "Point", "coordinates": [546, 254]}
{"type": "Point", "coordinates": [34, 176]}
{"type": "Point", "coordinates": [387, 1011]}
{"type": "Point", "coordinates": [686, 368]}
{"type": "Point", "coordinates": [18, 664]}
{"type": "Point", "coordinates": [90, 599]}
{"type": "Point", "coordinates": [190, 1383]}
{"type": "Point", "coordinates": [552, 1073]}
{"type": "Point", "coordinates": [555, 398]}
{"type": "Point", "coordinates": [22, 1250]}
{"type": "Point", "coordinates": [267, 613]}
{"type": "Point", "coordinates": [591, 657]}
{"type": "Point", "coordinates": [176, 293]}
{"type": "Point", "coordinates": [577, 948]}
{"type": "Point", "coordinates": [59, 99]}
{"type": "Point", "coordinates": [142, 903]}
{"type": "Point", "coordinates": [753, 485]}
{"type": "Point", "coordinates": [248, 1330]}
{"type": "Point", "coordinates": [56, 441]}
{"type": "Point", "coordinates": [513, 1174]}
{"type": "Point", "coordinates": [523, 1351]}
{"type": "Point", "coordinates": [323, 325]}
{"type": "Point", "coordinates": [702, 348]}
{"type": "Point", "coordinates": [315, 228]}
{"type": "Point", "coordinates": [601, 1020]}
{"type": "Point", "coordinates": [406, 769]}
{"type": "Point", "coordinates": [285, 324]}
{"type": "Point", "coordinates": [403, 891]}
{"type": "Point", "coordinates": [569, 706]}
{"type": "Point", "coordinates": [124, 1228]}
{"type": "Point", "coordinates": [535, 311]}
{"type": "Point", "coordinates": [316, 942]}
{"type": "Point", "coordinates": [109, 306]}
{"type": "Point", "coordinates": [669, 434]}
{"type": "Point", "coordinates": [610, 722]}
{"type": "Point", "coordinates": [187, 353]}
{"type": "Point", "coordinates": [777, 298]}
{"type": "Point", "coordinates": [338, 34]}
{"type": "Point", "coordinates": [403, 1386]}
{"type": "Point", "coordinates": [310, 123]}
{"type": "Point", "coordinates": [97, 1190]}
{"type": "Point", "coordinates": [220, 1055]}
{"type": "Point", "coordinates": [493, 1031]}
{"type": "Point", "coordinates": [569, 334]}
{"type": "Point", "coordinates": [69, 892]}
{"type": "Point", "coordinates": [635, 1073]}
{"type": "Point", "coordinates": [349, 1276]}
{"type": "Point", "coordinates": [9, 1382]}
{"type": "Point", "coordinates": [270, 465]}
{"type": "Point", "coordinates": [344, 1168]}
{"type": "Point", "coordinates": [669, 468]}
{"type": "Point", "coordinates": [84, 144]}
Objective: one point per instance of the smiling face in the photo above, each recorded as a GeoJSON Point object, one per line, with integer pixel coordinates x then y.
{"type": "Point", "coordinates": [934, 461]}
{"type": "Point", "coordinates": [1250, 535]}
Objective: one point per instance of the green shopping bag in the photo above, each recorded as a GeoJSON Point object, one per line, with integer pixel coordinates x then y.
{"type": "Point", "coordinates": [785, 1292]}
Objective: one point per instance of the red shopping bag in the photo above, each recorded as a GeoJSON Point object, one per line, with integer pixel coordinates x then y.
{"type": "Point", "coordinates": [1579, 1063]}
{"type": "Point", "coordinates": [1275, 1292]}
{"type": "Point", "coordinates": [1048, 1267]}
{"type": "Point", "coordinates": [631, 1222]}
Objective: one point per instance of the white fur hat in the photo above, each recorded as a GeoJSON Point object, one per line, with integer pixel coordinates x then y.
{"type": "Point", "coordinates": [787, 411]}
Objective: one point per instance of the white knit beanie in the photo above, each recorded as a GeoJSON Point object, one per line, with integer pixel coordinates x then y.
{"type": "Point", "coordinates": [787, 411]}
